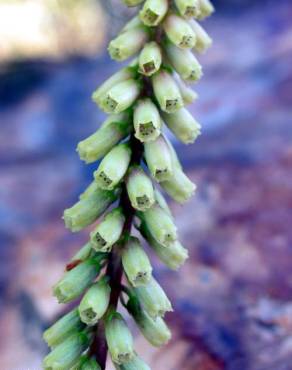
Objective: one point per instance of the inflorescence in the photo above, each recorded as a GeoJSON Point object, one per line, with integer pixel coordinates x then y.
{"type": "Point", "coordinates": [151, 92]}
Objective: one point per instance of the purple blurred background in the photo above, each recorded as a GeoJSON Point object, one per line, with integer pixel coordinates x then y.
{"type": "Point", "coordinates": [233, 298]}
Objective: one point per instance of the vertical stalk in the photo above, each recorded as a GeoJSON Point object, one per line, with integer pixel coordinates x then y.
{"type": "Point", "coordinates": [114, 268]}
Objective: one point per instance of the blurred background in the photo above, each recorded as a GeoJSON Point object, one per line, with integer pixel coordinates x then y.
{"type": "Point", "coordinates": [233, 298]}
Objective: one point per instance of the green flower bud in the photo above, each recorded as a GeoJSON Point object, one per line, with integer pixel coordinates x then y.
{"type": "Point", "coordinates": [75, 281]}
{"type": "Point", "coordinates": [160, 225]}
{"type": "Point", "coordinates": [206, 9]}
{"type": "Point", "coordinates": [173, 256]}
{"type": "Point", "coordinates": [63, 328]}
{"type": "Point", "coordinates": [147, 121]}
{"type": "Point", "coordinates": [162, 202]}
{"type": "Point", "coordinates": [88, 209]}
{"type": "Point", "coordinates": [204, 41]}
{"type": "Point", "coordinates": [133, 2]}
{"type": "Point", "coordinates": [166, 92]}
{"type": "Point", "coordinates": [136, 263]}
{"type": "Point", "coordinates": [108, 232]}
{"type": "Point", "coordinates": [150, 59]}
{"type": "Point", "coordinates": [103, 140]}
{"type": "Point", "coordinates": [135, 364]}
{"type": "Point", "coordinates": [153, 12]}
{"type": "Point", "coordinates": [184, 62]}
{"type": "Point", "coordinates": [67, 353]}
{"type": "Point", "coordinates": [188, 8]}
{"type": "Point", "coordinates": [155, 331]}
{"type": "Point", "coordinates": [83, 253]}
{"type": "Point", "coordinates": [133, 23]}
{"type": "Point", "coordinates": [128, 43]}
{"type": "Point", "coordinates": [140, 189]}
{"type": "Point", "coordinates": [120, 97]}
{"type": "Point", "coordinates": [113, 167]}
{"type": "Point", "coordinates": [188, 95]}
{"type": "Point", "coordinates": [179, 31]}
{"type": "Point", "coordinates": [158, 159]}
{"type": "Point", "coordinates": [153, 299]}
{"type": "Point", "coordinates": [120, 76]}
{"type": "Point", "coordinates": [95, 302]}
{"type": "Point", "coordinates": [183, 125]}
{"type": "Point", "coordinates": [119, 338]}
{"type": "Point", "coordinates": [179, 186]}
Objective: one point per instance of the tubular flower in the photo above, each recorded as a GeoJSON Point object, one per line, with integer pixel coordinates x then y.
{"type": "Point", "coordinates": [160, 225]}
{"type": "Point", "coordinates": [140, 189]}
{"type": "Point", "coordinates": [95, 302]}
{"type": "Point", "coordinates": [179, 32]}
{"type": "Point", "coordinates": [120, 97]}
{"type": "Point", "coordinates": [183, 125]}
{"type": "Point", "coordinates": [147, 121]}
{"type": "Point", "coordinates": [158, 159]}
{"type": "Point", "coordinates": [188, 8]}
{"type": "Point", "coordinates": [119, 338]}
{"type": "Point", "coordinates": [103, 140]}
{"type": "Point", "coordinates": [154, 330]}
{"type": "Point", "coordinates": [153, 299]}
{"type": "Point", "coordinates": [153, 12]}
{"type": "Point", "coordinates": [63, 328]}
{"type": "Point", "coordinates": [150, 59]}
{"type": "Point", "coordinates": [75, 281]}
{"type": "Point", "coordinates": [88, 209]}
{"type": "Point", "coordinates": [184, 62]}
{"type": "Point", "coordinates": [65, 354]}
{"type": "Point", "coordinates": [167, 92]}
{"type": "Point", "coordinates": [108, 231]}
{"type": "Point", "coordinates": [128, 43]}
{"type": "Point", "coordinates": [136, 264]}
{"type": "Point", "coordinates": [113, 167]}
{"type": "Point", "coordinates": [151, 91]}
{"type": "Point", "coordinates": [173, 256]}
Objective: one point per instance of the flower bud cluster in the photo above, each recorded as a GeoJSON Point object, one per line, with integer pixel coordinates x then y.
{"type": "Point", "coordinates": [147, 96]}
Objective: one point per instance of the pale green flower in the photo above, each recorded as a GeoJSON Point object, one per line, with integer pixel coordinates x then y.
{"type": "Point", "coordinates": [75, 281]}
{"type": "Point", "coordinates": [128, 43]}
{"type": "Point", "coordinates": [188, 8]}
{"type": "Point", "coordinates": [136, 263]}
{"type": "Point", "coordinates": [150, 59]}
{"type": "Point", "coordinates": [153, 299]}
{"type": "Point", "coordinates": [88, 209]}
{"type": "Point", "coordinates": [113, 167]}
{"type": "Point", "coordinates": [95, 302]}
{"type": "Point", "coordinates": [166, 92]}
{"type": "Point", "coordinates": [114, 129]}
{"type": "Point", "coordinates": [63, 328]}
{"type": "Point", "coordinates": [147, 121]}
{"type": "Point", "coordinates": [158, 158]}
{"type": "Point", "coordinates": [108, 231]}
{"type": "Point", "coordinates": [204, 41]}
{"type": "Point", "coordinates": [140, 189]}
{"type": "Point", "coordinates": [153, 12]}
{"type": "Point", "coordinates": [184, 62]}
{"type": "Point", "coordinates": [183, 125]}
{"type": "Point", "coordinates": [67, 353]}
{"type": "Point", "coordinates": [179, 31]}
{"type": "Point", "coordinates": [160, 225]}
{"type": "Point", "coordinates": [119, 339]}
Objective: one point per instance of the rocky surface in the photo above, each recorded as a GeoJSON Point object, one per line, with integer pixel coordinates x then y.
{"type": "Point", "coordinates": [233, 305]}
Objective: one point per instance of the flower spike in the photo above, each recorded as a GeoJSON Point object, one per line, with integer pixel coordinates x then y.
{"type": "Point", "coordinates": [146, 95]}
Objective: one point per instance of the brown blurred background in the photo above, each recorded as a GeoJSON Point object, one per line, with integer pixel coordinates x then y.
{"type": "Point", "coordinates": [233, 298]}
